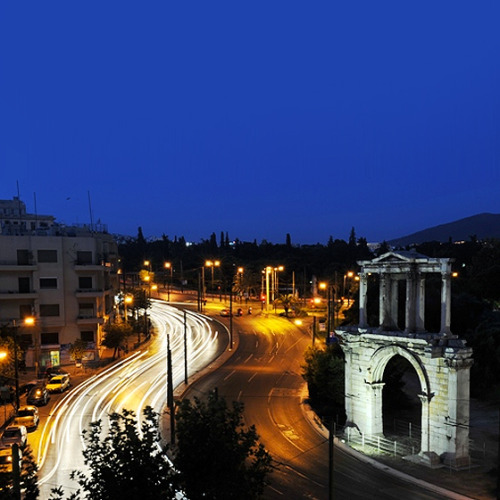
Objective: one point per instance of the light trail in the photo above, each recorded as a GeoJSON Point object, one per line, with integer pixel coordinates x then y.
{"type": "Point", "coordinates": [134, 382]}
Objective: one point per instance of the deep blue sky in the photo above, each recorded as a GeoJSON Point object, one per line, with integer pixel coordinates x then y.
{"type": "Point", "coordinates": [257, 118]}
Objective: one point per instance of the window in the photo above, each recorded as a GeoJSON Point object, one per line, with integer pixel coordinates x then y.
{"type": "Point", "coordinates": [86, 310]}
{"type": "Point", "coordinates": [83, 257]}
{"type": "Point", "coordinates": [85, 282]}
{"type": "Point", "coordinates": [48, 283]}
{"type": "Point", "coordinates": [25, 310]}
{"type": "Point", "coordinates": [49, 310]}
{"type": "Point", "coordinates": [25, 340]}
{"type": "Point", "coordinates": [87, 336]}
{"type": "Point", "coordinates": [49, 338]}
{"type": "Point", "coordinates": [23, 258]}
{"type": "Point", "coordinates": [47, 255]}
{"type": "Point", "coordinates": [24, 285]}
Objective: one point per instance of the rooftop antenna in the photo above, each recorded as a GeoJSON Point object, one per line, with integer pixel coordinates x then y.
{"type": "Point", "coordinates": [90, 211]}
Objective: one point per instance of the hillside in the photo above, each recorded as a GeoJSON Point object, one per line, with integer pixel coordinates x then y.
{"type": "Point", "coordinates": [483, 226]}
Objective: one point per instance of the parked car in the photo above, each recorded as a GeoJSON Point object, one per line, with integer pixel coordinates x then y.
{"type": "Point", "coordinates": [14, 434]}
{"type": "Point", "coordinates": [58, 383]}
{"type": "Point", "coordinates": [52, 371]}
{"type": "Point", "coordinates": [27, 416]}
{"type": "Point", "coordinates": [25, 388]}
{"type": "Point", "coordinates": [38, 396]}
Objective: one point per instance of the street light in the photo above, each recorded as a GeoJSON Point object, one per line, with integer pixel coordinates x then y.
{"type": "Point", "coordinates": [28, 321]}
{"type": "Point", "coordinates": [168, 265]}
{"type": "Point", "coordinates": [127, 301]}
{"type": "Point", "coordinates": [211, 264]}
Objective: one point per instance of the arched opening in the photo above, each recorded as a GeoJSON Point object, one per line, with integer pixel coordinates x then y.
{"type": "Point", "coordinates": [401, 406]}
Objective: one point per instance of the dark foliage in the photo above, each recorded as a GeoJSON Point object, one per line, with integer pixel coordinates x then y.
{"type": "Point", "coordinates": [126, 464]}
{"type": "Point", "coordinates": [216, 456]}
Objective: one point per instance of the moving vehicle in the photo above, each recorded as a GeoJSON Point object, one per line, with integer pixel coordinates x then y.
{"type": "Point", "coordinates": [27, 416]}
{"type": "Point", "coordinates": [225, 313]}
{"type": "Point", "coordinates": [38, 396]}
{"type": "Point", "coordinates": [14, 434]}
{"type": "Point", "coordinates": [58, 383]}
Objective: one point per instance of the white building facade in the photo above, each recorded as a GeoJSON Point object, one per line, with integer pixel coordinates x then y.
{"type": "Point", "coordinates": [65, 277]}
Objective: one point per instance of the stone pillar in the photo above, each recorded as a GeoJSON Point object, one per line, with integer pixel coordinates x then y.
{"type": "Point", "coordinates": [445, 303]}
{"type": "Point", "coordinates": [428, 456]}
{"type": "Point", "coordinates": [394, 302]}
{"type": "Point", "coordinates": [420, 300]}
{"type": "Point", "coordinates": [382, 299]}
{"type": "Point", "coordinates": [458, 419]}
{"type": "Point", "coordinates": [374, 424]}
{"type": "Point", "coordinates": [410, 303]}
{"type": "Point", "coordinates": [363, 290]}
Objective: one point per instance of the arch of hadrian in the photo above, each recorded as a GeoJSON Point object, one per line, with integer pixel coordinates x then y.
{"type": "Point", "coordinates": [441, 360]}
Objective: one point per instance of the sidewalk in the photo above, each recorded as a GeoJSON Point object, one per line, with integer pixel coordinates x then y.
{"type": "Point", "coordinates": [474, 483]}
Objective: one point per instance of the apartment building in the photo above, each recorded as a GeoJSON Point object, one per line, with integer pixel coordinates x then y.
{"type": "Point", "coordinates": [63, 276]}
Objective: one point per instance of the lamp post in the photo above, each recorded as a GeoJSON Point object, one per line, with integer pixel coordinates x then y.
{"type": "Point", "coordinates": [128, 299]}
{"type": "Point", "coordinates": [168, 265]}
{"type": "Point", "coordinates": [212, 264]}
{"type": "Point", "coordinates": [28, 321]}
{"type": "Point", "coordinates": [240, 282]}
{"type": "Point", "coordinates": [349, 274]}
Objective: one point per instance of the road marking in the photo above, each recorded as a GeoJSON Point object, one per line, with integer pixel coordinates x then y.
{"type": "Point", "coordinates": [248, 359]}
{"type": "Point", "coordinates": [251, 378]}
{"type": "Point", "coordinates": [227, 376]}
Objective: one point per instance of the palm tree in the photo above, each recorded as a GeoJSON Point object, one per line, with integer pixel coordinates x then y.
{"type": "Point", "coordinates": [287, 301]}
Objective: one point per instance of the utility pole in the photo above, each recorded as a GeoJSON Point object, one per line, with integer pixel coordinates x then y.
{"type": "Point", "coordinates": [331, 449]}
{"type": "Point", "coordinates": [231, 316]}
{"type": "Point", "coordinates": [185, 351]}
{"type": "Point", "coordinates": [170, 392]}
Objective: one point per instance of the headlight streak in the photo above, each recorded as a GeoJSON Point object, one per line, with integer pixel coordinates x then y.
{"type": "Point", "coordinates": [119, 384]}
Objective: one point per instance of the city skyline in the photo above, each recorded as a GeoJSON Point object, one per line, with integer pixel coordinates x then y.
{"type": "Point", "coordinates": [256, 120]}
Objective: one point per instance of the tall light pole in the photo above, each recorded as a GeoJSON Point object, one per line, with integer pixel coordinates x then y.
{"type": "Point", "coordinates": [28, 321]}
{"type": "Point", "coordinates": [127, 300]}
{"type": "Point", "coordinates": [168, 265]}
{"type": "Point", "coordinates": [268, 271]}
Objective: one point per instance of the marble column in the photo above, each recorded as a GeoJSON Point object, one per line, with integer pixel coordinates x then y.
{"type": "Point", "coordinates": [363, 291]}
{"type": "Point", "coordinates": [445, 303]}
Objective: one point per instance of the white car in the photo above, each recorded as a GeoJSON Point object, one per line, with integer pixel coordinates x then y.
{"type": "Point", "coordinates": [27, 416]}
{"type": "Point", "coordinates": [58, 383]}
{"type": "Point", "coordinates": [14, 434]}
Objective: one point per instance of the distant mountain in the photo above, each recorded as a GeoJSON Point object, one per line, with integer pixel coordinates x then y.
{"type": "Point", "coordinates": [483, 226]}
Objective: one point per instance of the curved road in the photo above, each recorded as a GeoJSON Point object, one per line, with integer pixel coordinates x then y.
{"type": "Point", "coordinates": [134, 382]}
{"type": "Point", "coordinates": [264, 373]}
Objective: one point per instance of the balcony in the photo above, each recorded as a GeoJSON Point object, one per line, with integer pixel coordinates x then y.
{"type": "Point", "coordinates": [89, 319]}
{"type": "Point", "coordinates": [101, 267]}
{"type": "Point", "coordinates": [17, 295]}
{"type": "Point", "coordinates": [89, 292]}
{"type": "Point", "coordinates": [13, 266]}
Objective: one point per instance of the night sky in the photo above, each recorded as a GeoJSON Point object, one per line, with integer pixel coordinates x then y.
{"type": "Point", "coordinates": [256, 118]}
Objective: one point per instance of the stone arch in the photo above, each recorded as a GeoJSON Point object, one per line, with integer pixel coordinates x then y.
{"type": "Point", "coordinates": [382, 356]}
{"type": "Point", "coordinates": [441, 360]}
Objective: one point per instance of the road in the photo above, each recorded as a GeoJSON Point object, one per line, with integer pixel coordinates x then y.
{"type": "Point", "coordinates": [134, 382]}
{"type": "Point", "coordinates": [265, 374]}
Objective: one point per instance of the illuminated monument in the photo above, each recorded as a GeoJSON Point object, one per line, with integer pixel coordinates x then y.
{"type": "Point", "coordinates": [441, 361]}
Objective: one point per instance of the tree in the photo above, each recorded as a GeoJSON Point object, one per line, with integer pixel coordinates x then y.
{"type": "Point", "coordinates": [126, 463]}
{"type": "Point", "coordinates": [77, 349]}
{"type": "Point", "coordinates": [324, 374]}
{"type": "Point", "coordinates": [28, 478]}
{"type": "Point", "coordinates": [216, 457]}
{"type": "Point", "coordinates": [287, 301]}
{"type": "Point", "coordinates": [115, 335]}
